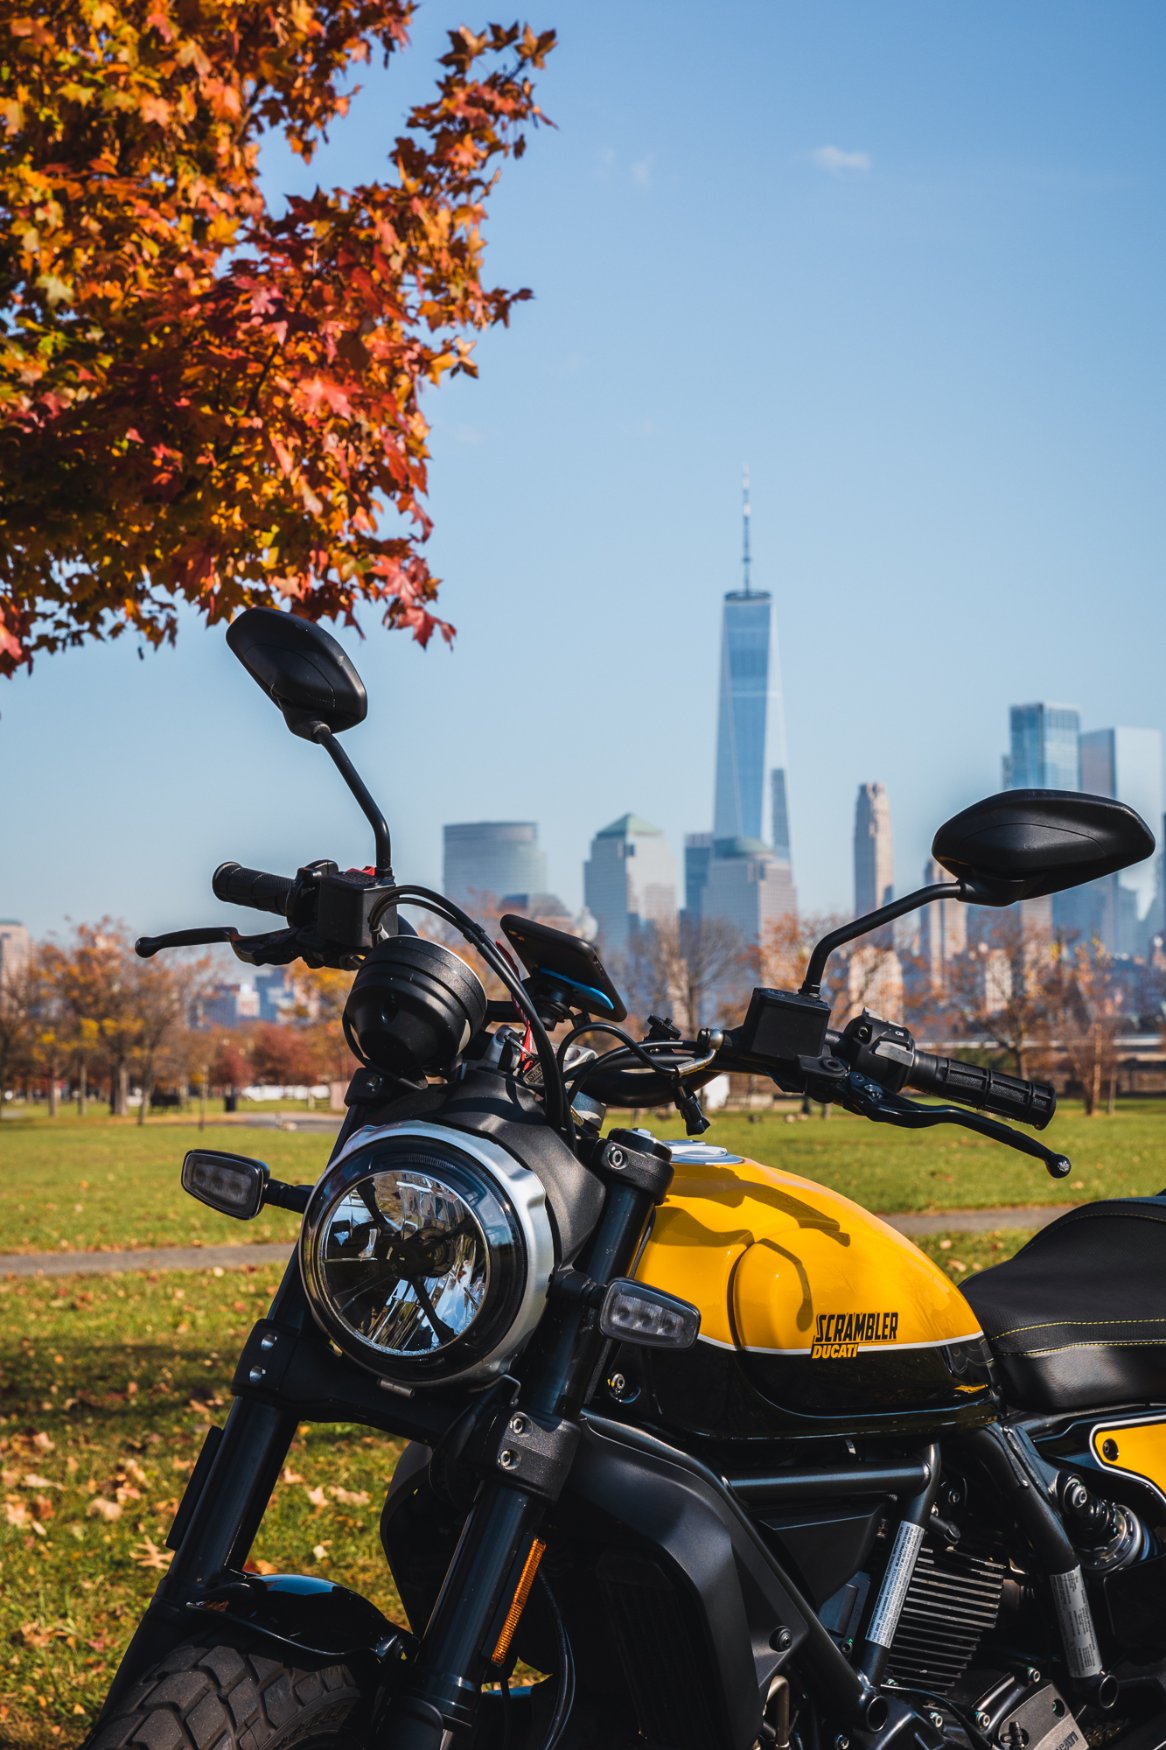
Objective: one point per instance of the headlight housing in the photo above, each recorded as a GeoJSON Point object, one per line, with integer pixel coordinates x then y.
{"type": "Point", "coordinates": [426, 1253]}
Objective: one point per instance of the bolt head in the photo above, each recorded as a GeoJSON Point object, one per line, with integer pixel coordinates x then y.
{"type": "Point", "coordinates": [1109, 1450]}
{"type": "Point", "coordinates": [257, 1375]}
{"type": "Point", "coordinates": [781, 1640]}
{"type": "Point", "coordinates": [519, 1424]}
{"type": "Point", "coordinates": [507, 1459]}
{"type": "Point", "coordinates": [616, 1157]}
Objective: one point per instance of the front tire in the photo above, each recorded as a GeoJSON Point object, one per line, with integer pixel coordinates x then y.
{"type": "Point", "coordinates": [207, 1695]}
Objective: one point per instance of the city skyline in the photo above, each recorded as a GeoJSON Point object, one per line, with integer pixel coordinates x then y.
{"type": "Point", "coordinates": [953, 415]}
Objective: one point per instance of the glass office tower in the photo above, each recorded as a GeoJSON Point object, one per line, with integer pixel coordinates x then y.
{"type": "Point", "coordinates": [1127, 764]}
{"type": "Point", "coordinates": [487, 859]}
{"type": "Point", "coordinates": [743, 718]}
{"type": "Point", "coordinates": [750, 800]}
{"type": "Point", "coordinates": [1043, 752]}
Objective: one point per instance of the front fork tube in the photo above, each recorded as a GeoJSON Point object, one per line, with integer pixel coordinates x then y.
{"type": "Point", "coordinates": [221, 1529]}
{"type": "Point", "coordinates": [481, 1594]}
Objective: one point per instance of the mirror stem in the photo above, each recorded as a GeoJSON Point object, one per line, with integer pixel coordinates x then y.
{"type": "Point", "coordinates": [812, 983]}
{"type": "Point", "coordinates": [380, 826]}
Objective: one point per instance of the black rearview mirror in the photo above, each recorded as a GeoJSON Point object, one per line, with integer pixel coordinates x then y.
{"type": "Point", "coordinates": [302, 668]}
{"type": "Point", "coordinates": [1026, 843]}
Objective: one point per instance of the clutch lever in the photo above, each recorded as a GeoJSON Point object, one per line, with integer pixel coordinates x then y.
{"type": "Point", "coordinates": [147, 946]}
{"type": "Point", "coordinates": [830, 1079]}
{"type": "Point", "coordinates": [269, 948]}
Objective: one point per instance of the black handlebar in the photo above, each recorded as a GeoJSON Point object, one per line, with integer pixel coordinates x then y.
{"type": "Point", "coordinates": [885, 1051]}
{"type": "Point", "coordinates": [254, 887]}
{"type": "Point", "coordinates": [984, 1089]}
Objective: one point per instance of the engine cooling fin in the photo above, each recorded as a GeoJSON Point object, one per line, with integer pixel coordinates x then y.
{"type": "Point", "coordinates": [951, 1604]}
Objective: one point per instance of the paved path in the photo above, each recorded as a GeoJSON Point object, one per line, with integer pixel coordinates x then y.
{"type": "Point", "coordinates": [976, 1221]}
{"type": "Point", "coordinates": [237, 1257]}
{"type": "Point", "coordinates": [148, 1258]}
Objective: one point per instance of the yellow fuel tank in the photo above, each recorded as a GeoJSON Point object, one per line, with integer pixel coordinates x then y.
{"type": "Point", "coordinates": [813, 1311]}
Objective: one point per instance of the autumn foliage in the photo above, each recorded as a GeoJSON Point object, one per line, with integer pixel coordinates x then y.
{"type": "Point", "coordinates": [205, 399]}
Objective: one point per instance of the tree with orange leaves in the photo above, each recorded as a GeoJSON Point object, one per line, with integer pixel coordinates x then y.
{"type": "Point", "coordinates": [203, 400]}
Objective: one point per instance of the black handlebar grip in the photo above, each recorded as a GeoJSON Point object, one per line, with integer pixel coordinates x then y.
{"type": "Point", "coordinates": [253, 887]}
{"type": "Point", "coordinates": [986, 1089]}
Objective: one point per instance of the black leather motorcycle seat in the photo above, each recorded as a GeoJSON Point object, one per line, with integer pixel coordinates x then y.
{"type": "Point", "coordinates": [1077, 1319]}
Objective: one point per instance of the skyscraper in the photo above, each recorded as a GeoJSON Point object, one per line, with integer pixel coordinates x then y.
{"type": "Point", "coordinates": [698, 854]}
{"type": "Point", "coordinates": [629, 880]}
{"type": "Point", "coordinates": [1126, 764]}
{"type": "Point", "coordinates": [943, 930]}
{"type": "Point", "coordinates": [874, 859]}
{"type": "Point", "coordinates": [15, 948]}
{"type": "Point", "coordinates": [750, 722]}
{"type": "Point", "coordinates": [746, 886]}
{"type": "Point", "coordinates": [486, 859]}
{"type": "Point", "coordinates": [1043, 752]}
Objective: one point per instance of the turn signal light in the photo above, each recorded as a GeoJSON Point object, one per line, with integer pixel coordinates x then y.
{"type": "Point", "coordinates": [633, 1313]}
{"type": "Point", "coordinates": [232, 1184]}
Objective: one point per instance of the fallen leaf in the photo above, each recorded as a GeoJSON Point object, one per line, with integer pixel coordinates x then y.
{"type": "Point", "coordinates": [148, 1555]}
{"type": "Point", "coordinates": [100, 1508]}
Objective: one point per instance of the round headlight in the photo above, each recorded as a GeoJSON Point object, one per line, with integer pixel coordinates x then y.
{"type": "Point", "coordinates": [426, 1253]}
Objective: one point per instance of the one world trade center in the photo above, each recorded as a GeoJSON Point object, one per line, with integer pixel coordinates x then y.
{"type": "Point", "coordinates": [750, 801]}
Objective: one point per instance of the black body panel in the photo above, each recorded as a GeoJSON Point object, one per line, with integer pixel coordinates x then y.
{"type": "Point", "coordinates": [675, 1604]}
{"type": "Point", "coordinates": [719, 1394]}
{"type": "Point", "coordinates": [1077, 1319]}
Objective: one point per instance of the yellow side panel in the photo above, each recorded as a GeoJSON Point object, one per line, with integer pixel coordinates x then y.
{"type": "Point", "coordinates": [1136, 1447]}
{"type": "Point", "coordinates": [777, 1263]}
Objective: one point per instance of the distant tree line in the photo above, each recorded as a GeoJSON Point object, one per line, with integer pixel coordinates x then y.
{"type": "Point", "coordinates": [86, 1020]}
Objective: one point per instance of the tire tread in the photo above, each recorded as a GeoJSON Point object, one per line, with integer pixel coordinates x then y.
{"type": "Point", "coordinates": [214, 1695]}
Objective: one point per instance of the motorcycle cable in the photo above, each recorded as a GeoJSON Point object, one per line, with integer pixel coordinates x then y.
{"type": "Point", "coordinates": [642, 1051]}
{"type": "Point", "coordinates": [565, 1700]}
{"type": "Point", "coordinates": [640, 1048]}
{"type": "Point", "coordinates": [554, 1090]}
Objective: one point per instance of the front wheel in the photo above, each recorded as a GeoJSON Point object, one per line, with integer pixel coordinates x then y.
{"type": "Point", "coordinates": [206, 1695]}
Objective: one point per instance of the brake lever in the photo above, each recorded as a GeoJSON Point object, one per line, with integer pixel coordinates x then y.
{"type": "Point", "coordinates": [829, 1079]}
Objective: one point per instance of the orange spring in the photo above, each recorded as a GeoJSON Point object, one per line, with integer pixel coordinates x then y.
{"type": "Point", "coordinates": [518, 1602]}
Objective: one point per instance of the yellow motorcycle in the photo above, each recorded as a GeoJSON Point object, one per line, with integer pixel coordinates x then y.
{"type": "Point", "coordinates": [702, 1456]}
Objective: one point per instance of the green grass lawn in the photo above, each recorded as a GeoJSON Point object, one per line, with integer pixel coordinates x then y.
{"type": "Point", "coordinates": [73, 1185]}
{"type": "Point", "coordinates": [68, 1185]}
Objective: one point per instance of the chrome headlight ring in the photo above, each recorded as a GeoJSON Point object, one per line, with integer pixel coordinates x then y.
{"type": "Point", "coordinates": [426, 1253]}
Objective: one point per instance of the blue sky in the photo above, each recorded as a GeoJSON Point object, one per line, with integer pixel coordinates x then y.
{"type": "Point", "coordinates": [905, 260]}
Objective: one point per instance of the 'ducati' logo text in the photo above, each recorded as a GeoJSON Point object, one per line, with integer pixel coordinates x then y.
{"type": "Point", "coordinates": [838, 1336]}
